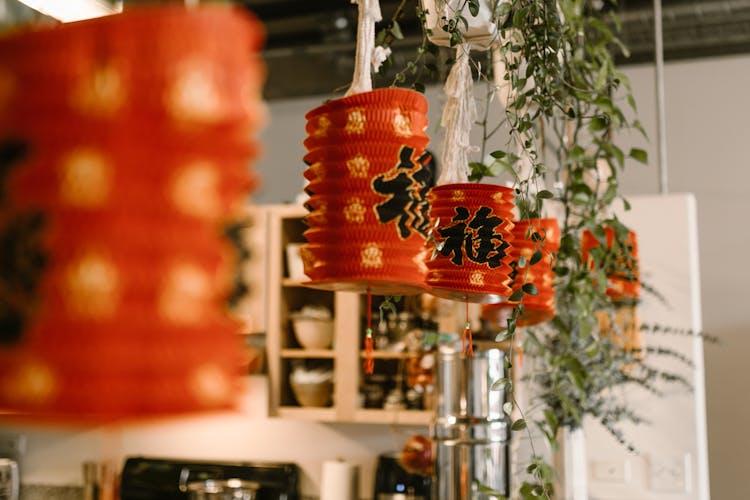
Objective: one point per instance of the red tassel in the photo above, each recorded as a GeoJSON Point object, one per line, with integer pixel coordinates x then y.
{"type": "Point", "coordinates": [466, 340]}
{"type": "Point", "coordinates": [369, 364]}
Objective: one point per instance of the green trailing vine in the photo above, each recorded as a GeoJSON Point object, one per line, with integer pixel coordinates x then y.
{"type": "Point", "coordinates": [567, 104]}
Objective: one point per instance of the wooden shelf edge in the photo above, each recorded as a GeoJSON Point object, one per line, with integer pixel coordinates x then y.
{"type": "Point", "coordinates": [398, 417]}
{"type": "Point", "coordinates": [327, 414]}
{"type": "Point", "coordinates": [308, 353]}
{"type": "Point", "coordinates": [385, 355]}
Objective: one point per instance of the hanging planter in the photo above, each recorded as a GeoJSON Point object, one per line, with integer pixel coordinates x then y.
{"type": "Point", "coordinates": [479, 27]}
{"type": "Point", "coordinates": [133, 167]}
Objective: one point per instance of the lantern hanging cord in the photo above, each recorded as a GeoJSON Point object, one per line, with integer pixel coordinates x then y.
{"type": "Point", "coordinates": [467, 343]}
{"type": "Point", "coordinates": [367, 53]}
{"type": "Point", "coordinates": [369, 364]}
{"type": "Point", "coordinates": [459, 115]}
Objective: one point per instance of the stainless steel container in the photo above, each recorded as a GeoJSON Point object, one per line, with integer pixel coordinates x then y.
{"type": "Point", "coordinates": [10, 483]}
{"type": "Point", "coordinates": [470, 431]}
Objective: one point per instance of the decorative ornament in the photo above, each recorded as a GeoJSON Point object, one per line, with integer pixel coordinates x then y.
{"type": "Point", "coordinates": [535, 242]}
{"type": "Point", "coordinates": [368, 176]}
{"type": "Point", "coordinates": [471, 223]}
{"type": "Point", "coordinates": [137, 128]}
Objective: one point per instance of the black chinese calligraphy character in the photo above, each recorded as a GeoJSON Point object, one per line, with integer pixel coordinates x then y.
{"type": "Point", "coordinates": [474, 237]}
{"type": "Point", "coordinates": [405, 187]}
{"type": "Point", "coordinates": [21, 257]}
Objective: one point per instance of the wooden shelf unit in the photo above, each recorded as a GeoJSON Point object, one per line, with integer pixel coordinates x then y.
{"type": "Point", "coordinates": [285, 295]}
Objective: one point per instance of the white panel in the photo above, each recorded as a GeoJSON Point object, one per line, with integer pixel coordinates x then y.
{"type": "Point", "coordinates": [673, 460]}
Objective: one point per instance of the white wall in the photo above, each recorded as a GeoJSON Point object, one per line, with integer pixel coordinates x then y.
{"type": "Point", "coordinates": [54, 454]}
{"type": "Point", "coordinates": [707, 110]}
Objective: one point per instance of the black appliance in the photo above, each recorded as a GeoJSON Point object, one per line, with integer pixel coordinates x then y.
{"type": "Point", "coordinates": [393, 482]}
{"type": "Point", "coordinates": [146, 478]}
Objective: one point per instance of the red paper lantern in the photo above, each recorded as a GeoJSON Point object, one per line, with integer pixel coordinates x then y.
{"type": "Point", "coordinates": [537, 308]}
{"type": "Point", "coordinates": [137, 128]}
{"type": "Point", "coordinates": [368, 178]}
{"type": "Point", "coordinates": [470, 242]}
{"type": "Point", "coordinates": [623, 277]}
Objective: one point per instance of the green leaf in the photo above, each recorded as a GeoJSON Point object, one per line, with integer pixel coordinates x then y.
{"type": "Point", "coordinates": [598, 123]}
{"type": "Point", "coordinates": [502, 336]}
{"type": "Point", "coordinates": [500, 384]}
{"type": "Point", "coordinates": [639, 155]}
{"type": "Point", "coordinates": [516, 296]}
{"type": "Point", "coordinates": [474, 7]}
{"type": "Point", "coordinates": [498, 154]}
{"type": "Point", "coordinates": [536, 256]}
{"type": "Point", "coordinates": [544, 194]}
{"type": "Point", "coordinates": [518, 425]}
{"type": "Point", "coordinates": [396, 31]}
{"type": "Point", "coordinates": [380, 37]}
{"type": "Point", "coordinates": [530, 288]}
{"type": "Point", "coordinates": [508, 407]}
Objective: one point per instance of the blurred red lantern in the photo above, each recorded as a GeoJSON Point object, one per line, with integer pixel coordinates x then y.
{"type": "Point", "coordinates": [136, 129]}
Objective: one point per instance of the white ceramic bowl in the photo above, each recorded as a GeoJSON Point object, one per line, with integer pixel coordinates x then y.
{"type": "Point", "coordinates": [313, 393]}
{"type": "Point", "coordinates": [313, 333]}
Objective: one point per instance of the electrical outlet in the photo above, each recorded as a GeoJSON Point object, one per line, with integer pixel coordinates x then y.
{"type": "Point", "coordinates": [669, 473]}
{"type": "Point", "coordinates": [12, 446]}
{"type": "Point", "coordinates": [610, 471]}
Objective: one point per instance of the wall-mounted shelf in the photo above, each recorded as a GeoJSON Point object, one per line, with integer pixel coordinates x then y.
{"type": "Point", "coordinates": [286, 295]}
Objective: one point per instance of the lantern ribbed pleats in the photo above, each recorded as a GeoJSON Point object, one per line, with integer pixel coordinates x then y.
{"type": "Point", "coordinates": [470, 245]}
{"type": "Point", "coordinates": [132, 135]}
{"type": "Point", "coordinates": [368, 176]}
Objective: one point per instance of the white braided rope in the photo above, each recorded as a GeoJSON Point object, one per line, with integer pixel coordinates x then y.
{"type": "Point", "coordinates": [459, 115]}
{"type": "Point", "coordinates": [368, 15]}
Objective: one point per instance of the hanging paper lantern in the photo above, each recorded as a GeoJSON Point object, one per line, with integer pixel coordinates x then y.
{"type": "Point", "coordinates": [623, 278]}
{"type": "Point", "coordinates": [368, 178]}
{"type": "Point", "coordinates": [470, 243]}
{"type": "Point", "coordinates": [125, 144]}
{"type": "Point", "coordinates": [622, 327]}
{"type": "Point", "coordinates": [537, 308]}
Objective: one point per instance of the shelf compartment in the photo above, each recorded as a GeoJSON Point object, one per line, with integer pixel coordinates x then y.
{"type": "Point", "coordinates": [402, 417]}
{"type": "Point", "coordinates": [327, 414]}
{"type": "Point", "coordinates": [308, 353]}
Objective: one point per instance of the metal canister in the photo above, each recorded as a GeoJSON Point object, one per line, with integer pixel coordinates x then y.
{"type": "Point", "coordinates": [470, 431]}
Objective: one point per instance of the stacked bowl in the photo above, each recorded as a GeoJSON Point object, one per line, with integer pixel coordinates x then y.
{"type": "Point", "coordinates": [136, 130]}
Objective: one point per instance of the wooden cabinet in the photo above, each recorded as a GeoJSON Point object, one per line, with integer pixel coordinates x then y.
{"type": "Point", "coordinates": [286, 295]}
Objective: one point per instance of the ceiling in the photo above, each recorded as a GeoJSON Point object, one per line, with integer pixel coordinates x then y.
{"type": "Point", "coordinates": [310, 45]}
